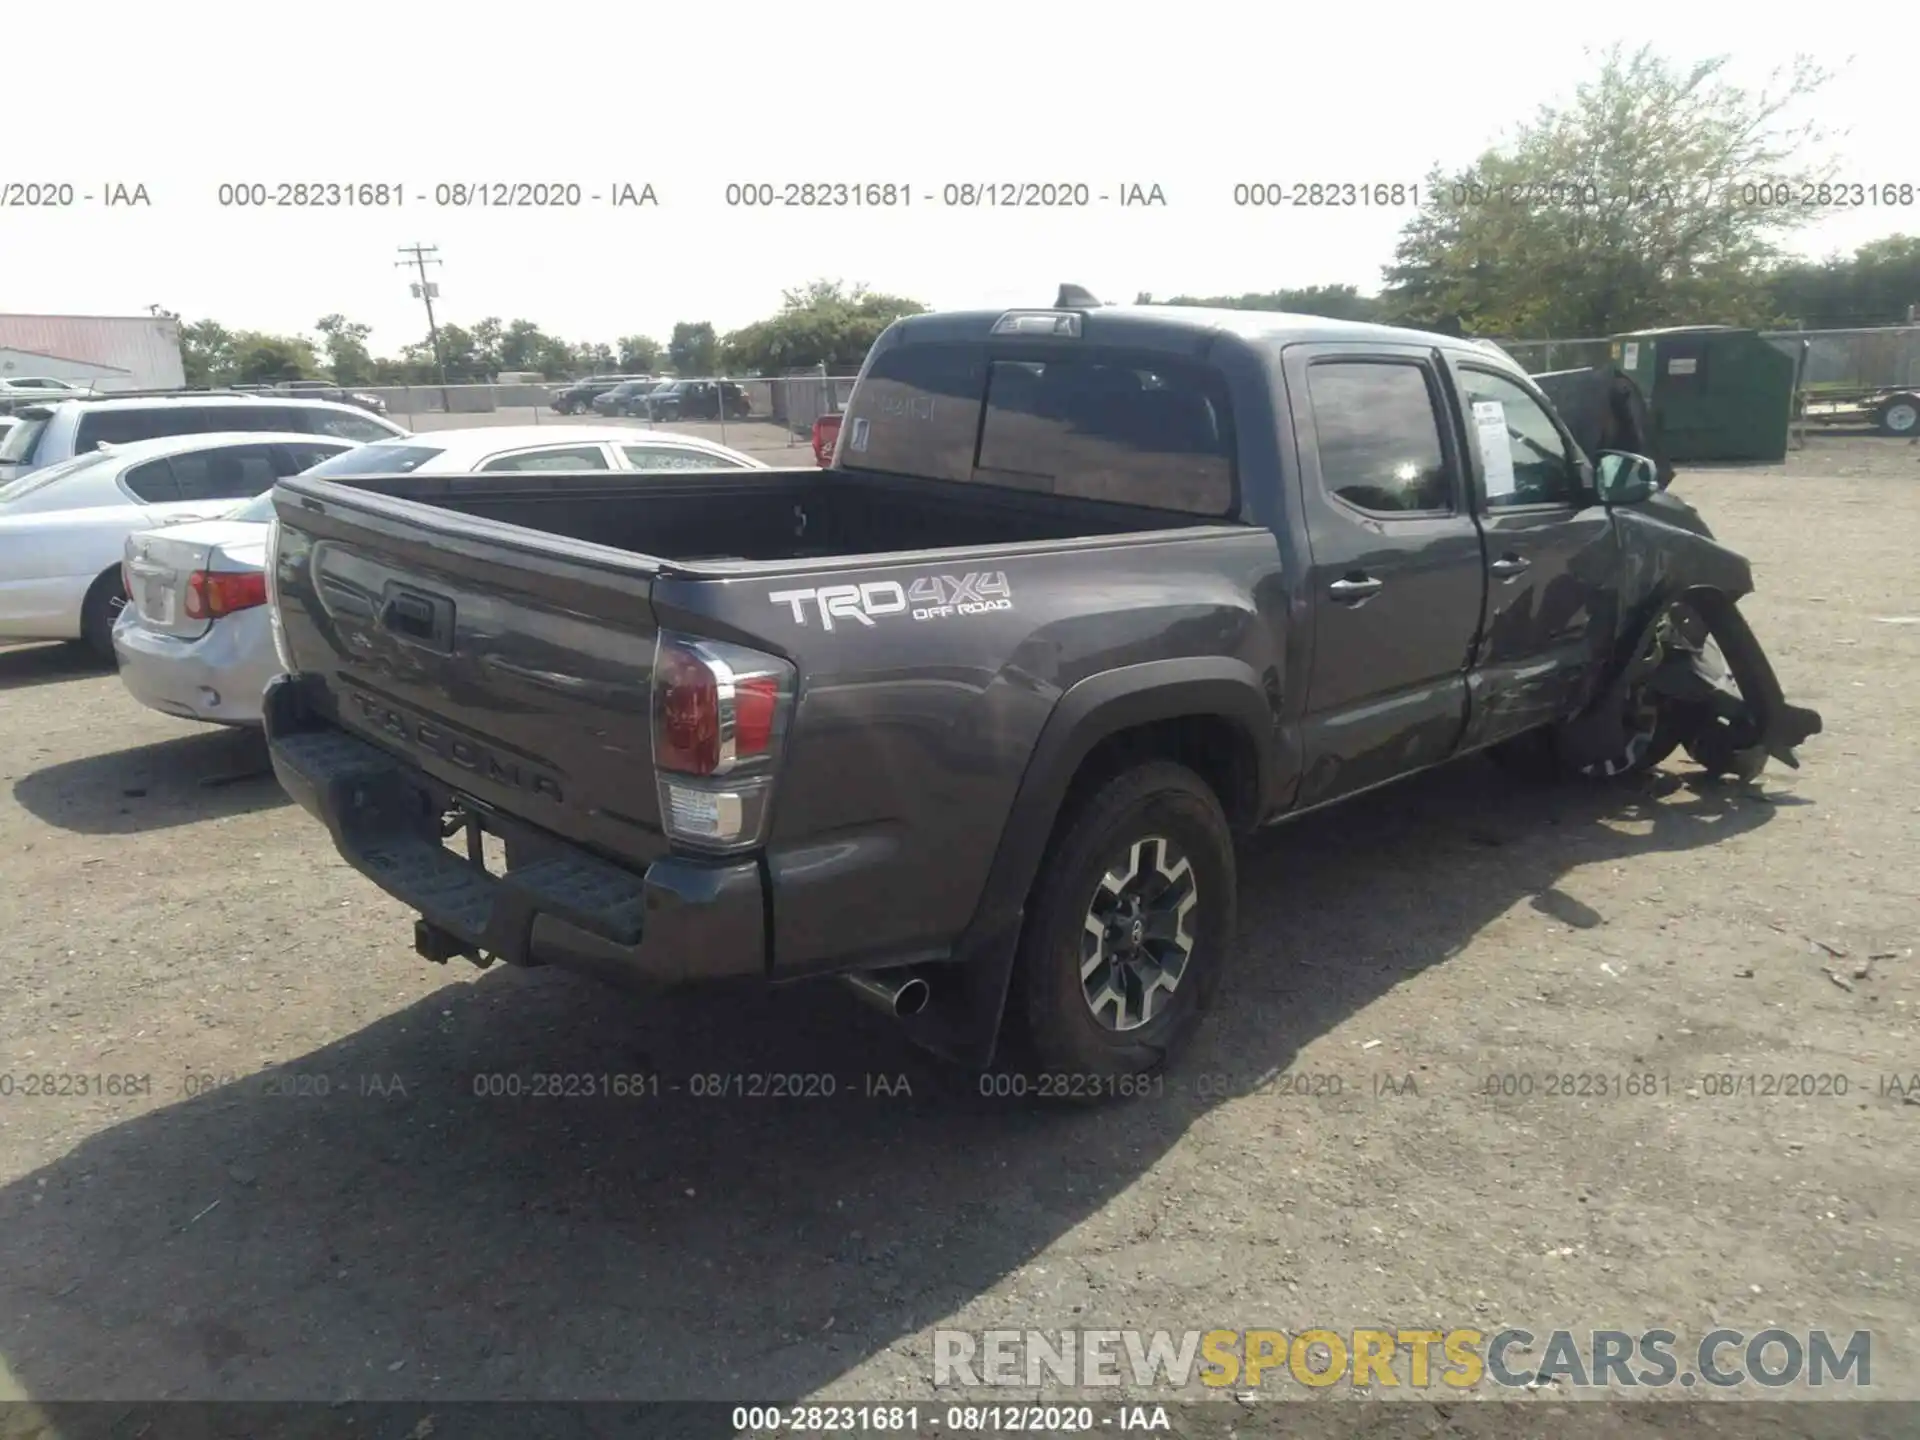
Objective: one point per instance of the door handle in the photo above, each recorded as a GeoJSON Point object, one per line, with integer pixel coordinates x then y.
{"type": "Point", "coordinates": [1355, 588]}
{"type": "Point", "coordinates": [1508, 566]}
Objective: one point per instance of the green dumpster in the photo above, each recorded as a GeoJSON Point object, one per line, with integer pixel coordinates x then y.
{"type": "Point", "coordinates": [1717, 392]}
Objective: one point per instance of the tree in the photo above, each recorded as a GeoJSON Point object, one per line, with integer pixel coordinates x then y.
{"type": "Point", "coordinates": [823, 323]}
{"type": "Point", "coordinates": [694, 349]}
{"type": "Point", "coordinates": [262, 359]}
{"type": "Point", "coordinates": [1877, 286]}
{"type": "Point", "coordinates": [206, 352]}
{"type": "Point", "coordinates": [345, 342]}
{"type": "Point", "coordinates": [1336, 302]}
{"type": "Point", "coordinates": [1637, 204]}
{"type": "Point", "coordinates": [639, 354]}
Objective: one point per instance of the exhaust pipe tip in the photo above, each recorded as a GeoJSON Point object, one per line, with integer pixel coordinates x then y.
{"type": "Point", "coordinates": [912, 997]}
{"type": "Point", "coordinates": [900, 993]}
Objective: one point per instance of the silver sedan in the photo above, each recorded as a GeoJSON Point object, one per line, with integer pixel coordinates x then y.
{"type": "Point", "coordinates": [194, 639]}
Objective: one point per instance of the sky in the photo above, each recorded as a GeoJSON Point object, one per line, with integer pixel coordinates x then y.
{"type": "Point", "coordinates": [184, 98]}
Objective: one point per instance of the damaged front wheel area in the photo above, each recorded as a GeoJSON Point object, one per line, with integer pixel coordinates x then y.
{"type": "Point", "coordinates": [1700, 681]}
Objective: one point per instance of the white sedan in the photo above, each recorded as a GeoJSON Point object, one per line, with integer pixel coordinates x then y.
{"type": "Point", "coordinates": [486, 449]}
{"type": "Point", "coordinates": [64, 528]}
{"type": "Point", "coordinates": [197, 642]}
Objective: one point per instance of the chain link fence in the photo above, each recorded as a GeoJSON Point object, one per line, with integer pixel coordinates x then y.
{"type": "Point", "coordinates": [768, 416]}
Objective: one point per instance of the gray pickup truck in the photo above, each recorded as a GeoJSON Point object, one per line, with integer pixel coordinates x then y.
{"type": "Point", "coordinates": [971, 718]}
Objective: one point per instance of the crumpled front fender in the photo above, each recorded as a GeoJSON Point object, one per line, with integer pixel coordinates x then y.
{"type": "Point", "coordinates": [1667, 559]}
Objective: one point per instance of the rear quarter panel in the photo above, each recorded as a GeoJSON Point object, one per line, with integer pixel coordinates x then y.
{"type": "Point", "coordinates": [912, 732]}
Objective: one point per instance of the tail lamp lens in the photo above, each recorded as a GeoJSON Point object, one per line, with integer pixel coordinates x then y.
{"type": "Point", "coordinates": [213, 593]}
{"type": "Point", "coordinates": [719, 716]}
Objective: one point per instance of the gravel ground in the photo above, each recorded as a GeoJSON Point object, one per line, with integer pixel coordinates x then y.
{"type": "Point", "coordinates": [307, 1199]}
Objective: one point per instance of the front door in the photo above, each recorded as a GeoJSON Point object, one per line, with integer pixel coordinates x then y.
{"type": "Point", "coordinates": [1397, 570]}
{"type": "Point", "coordinates": [1552, 559]}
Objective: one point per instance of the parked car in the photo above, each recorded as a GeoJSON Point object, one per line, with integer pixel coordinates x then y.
{"type": "Point", "coordinates": [971, 719]}
{"type": "Point", "coordinates": [574, 398]}
{"type": "Point", "coordinates": [63, 529]}
{"type": "Point", "coordinates": [49, 434]}
{"type": "Point", "coordinates": [567, 449]}
{"type": "Point", "coordinates": [629, 397]}
{"type": "Point", "coordinates": [697, 400]}
{"type": "Point", "coordinates": [194, 640]}
{"type": "Point", "coordinates": [326, 390]}
{"type": "Point", "coordinates": [19, 390]}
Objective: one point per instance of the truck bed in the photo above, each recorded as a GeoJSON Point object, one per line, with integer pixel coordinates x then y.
{"type": "Point", "coordinates": [769, 515]}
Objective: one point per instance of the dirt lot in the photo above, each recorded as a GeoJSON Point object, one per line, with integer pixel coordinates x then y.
{"type": "Point", "coordinates": [308, 1199]}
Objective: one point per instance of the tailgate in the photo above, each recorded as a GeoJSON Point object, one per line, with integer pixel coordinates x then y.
{"type": "Point", "coordinates": [513, 667]}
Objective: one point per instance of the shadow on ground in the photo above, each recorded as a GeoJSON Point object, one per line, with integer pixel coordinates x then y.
{"type": "Point", "coordinates": [367, 1222]}
{"type": "Point", "coordinates": [206, 775]}
{"type": "Point", "coordinates": [24, 666]}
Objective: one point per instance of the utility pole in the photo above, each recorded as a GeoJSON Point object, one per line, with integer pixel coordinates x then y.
{"type": "Point", "coordinates": [422, 256]}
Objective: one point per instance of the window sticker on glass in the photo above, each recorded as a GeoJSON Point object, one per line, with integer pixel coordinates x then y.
{"type": "Point", "coordinates": [1496, 449]}
{"type": "Point", "coordinates": [859, 438]}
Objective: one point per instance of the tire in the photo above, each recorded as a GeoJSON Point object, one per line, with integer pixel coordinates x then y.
{"type": "Point", "coordinates": [1900, 416]}
{"type": "Point", "coordinates": [98, 612]}
{"type": "Point", "coordinates": [1129, 819]}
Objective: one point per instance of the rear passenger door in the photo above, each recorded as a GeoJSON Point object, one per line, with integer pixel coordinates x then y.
{"type": "Point", "coordinates": [1551, 559]}
{"type": "Point", "coordinates": [1397, 575]}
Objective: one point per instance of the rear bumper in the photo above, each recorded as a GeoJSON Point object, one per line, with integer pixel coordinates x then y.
{"type": "Point", "coordinates": [218, 677]}
{"type": "Point", "coordinates": [555, 904]}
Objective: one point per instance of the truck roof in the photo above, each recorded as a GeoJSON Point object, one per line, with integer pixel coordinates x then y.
{"type": "Point", "coordinates": [1175, 326]}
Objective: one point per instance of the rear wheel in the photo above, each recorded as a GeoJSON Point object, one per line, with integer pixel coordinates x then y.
{"type": "Point", "coordinates": [98, 611]}
{"type": "Point", "coordinates": [1128, 928]}
{"type": "Point", "coordinates": [1901, 415]}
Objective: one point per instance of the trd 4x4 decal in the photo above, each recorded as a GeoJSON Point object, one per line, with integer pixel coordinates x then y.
{"type": "Point", "coordinates": [929, 597]}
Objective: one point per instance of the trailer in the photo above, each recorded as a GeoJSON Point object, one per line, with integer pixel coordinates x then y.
{"type": "Point", "coordinates": [1856, 377]}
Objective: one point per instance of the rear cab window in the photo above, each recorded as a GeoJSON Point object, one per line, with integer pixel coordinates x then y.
{"type": "Point", "coordinates": [1147, 430]}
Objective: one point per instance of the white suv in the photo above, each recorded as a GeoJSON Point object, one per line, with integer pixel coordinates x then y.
{"type": "Point", "coordinates": [49, 433]}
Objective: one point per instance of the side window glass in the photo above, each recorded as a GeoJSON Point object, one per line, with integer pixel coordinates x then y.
{"type": "Point", "coordinates": [664, 457]}
{"type": "Point", "coordinates": [236, 474]}
{"type": "Point", "coordinates": [1377, 432]}
{"type": "Point", "coordinates": [342, 423]}
{"type": "Point", "coordinates": [295, 458]}
{"type": "Point", "coordinates": [152, 483]}
{"type": "Point", "coordinates": [124, 427]}
{"type": "Point", "coordinates": [572, 457]}
{"type": "Point", "coordinates": [1526, 460]}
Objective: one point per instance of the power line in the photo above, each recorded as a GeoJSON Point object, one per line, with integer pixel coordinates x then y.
{"type": "Point", "coordinates": [422, 256]}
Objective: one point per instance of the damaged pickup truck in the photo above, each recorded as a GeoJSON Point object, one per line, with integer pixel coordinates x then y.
{"type": "Point", "coordinates": [970, 719]}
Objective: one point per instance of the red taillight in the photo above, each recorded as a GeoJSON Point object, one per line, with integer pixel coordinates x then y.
{"type": "Point", "coordinates": [825, 431]}
{"type": "Point", "coordinates": [712, 716]}
{"type": "Point", "coordinates": [756, 706]}
{"type": "Point", "coordinates": [719, 718]}
{"type": "Point", "coordinates": [213, 593]}
{"type": "Point", "coordinates": [687, 705]}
